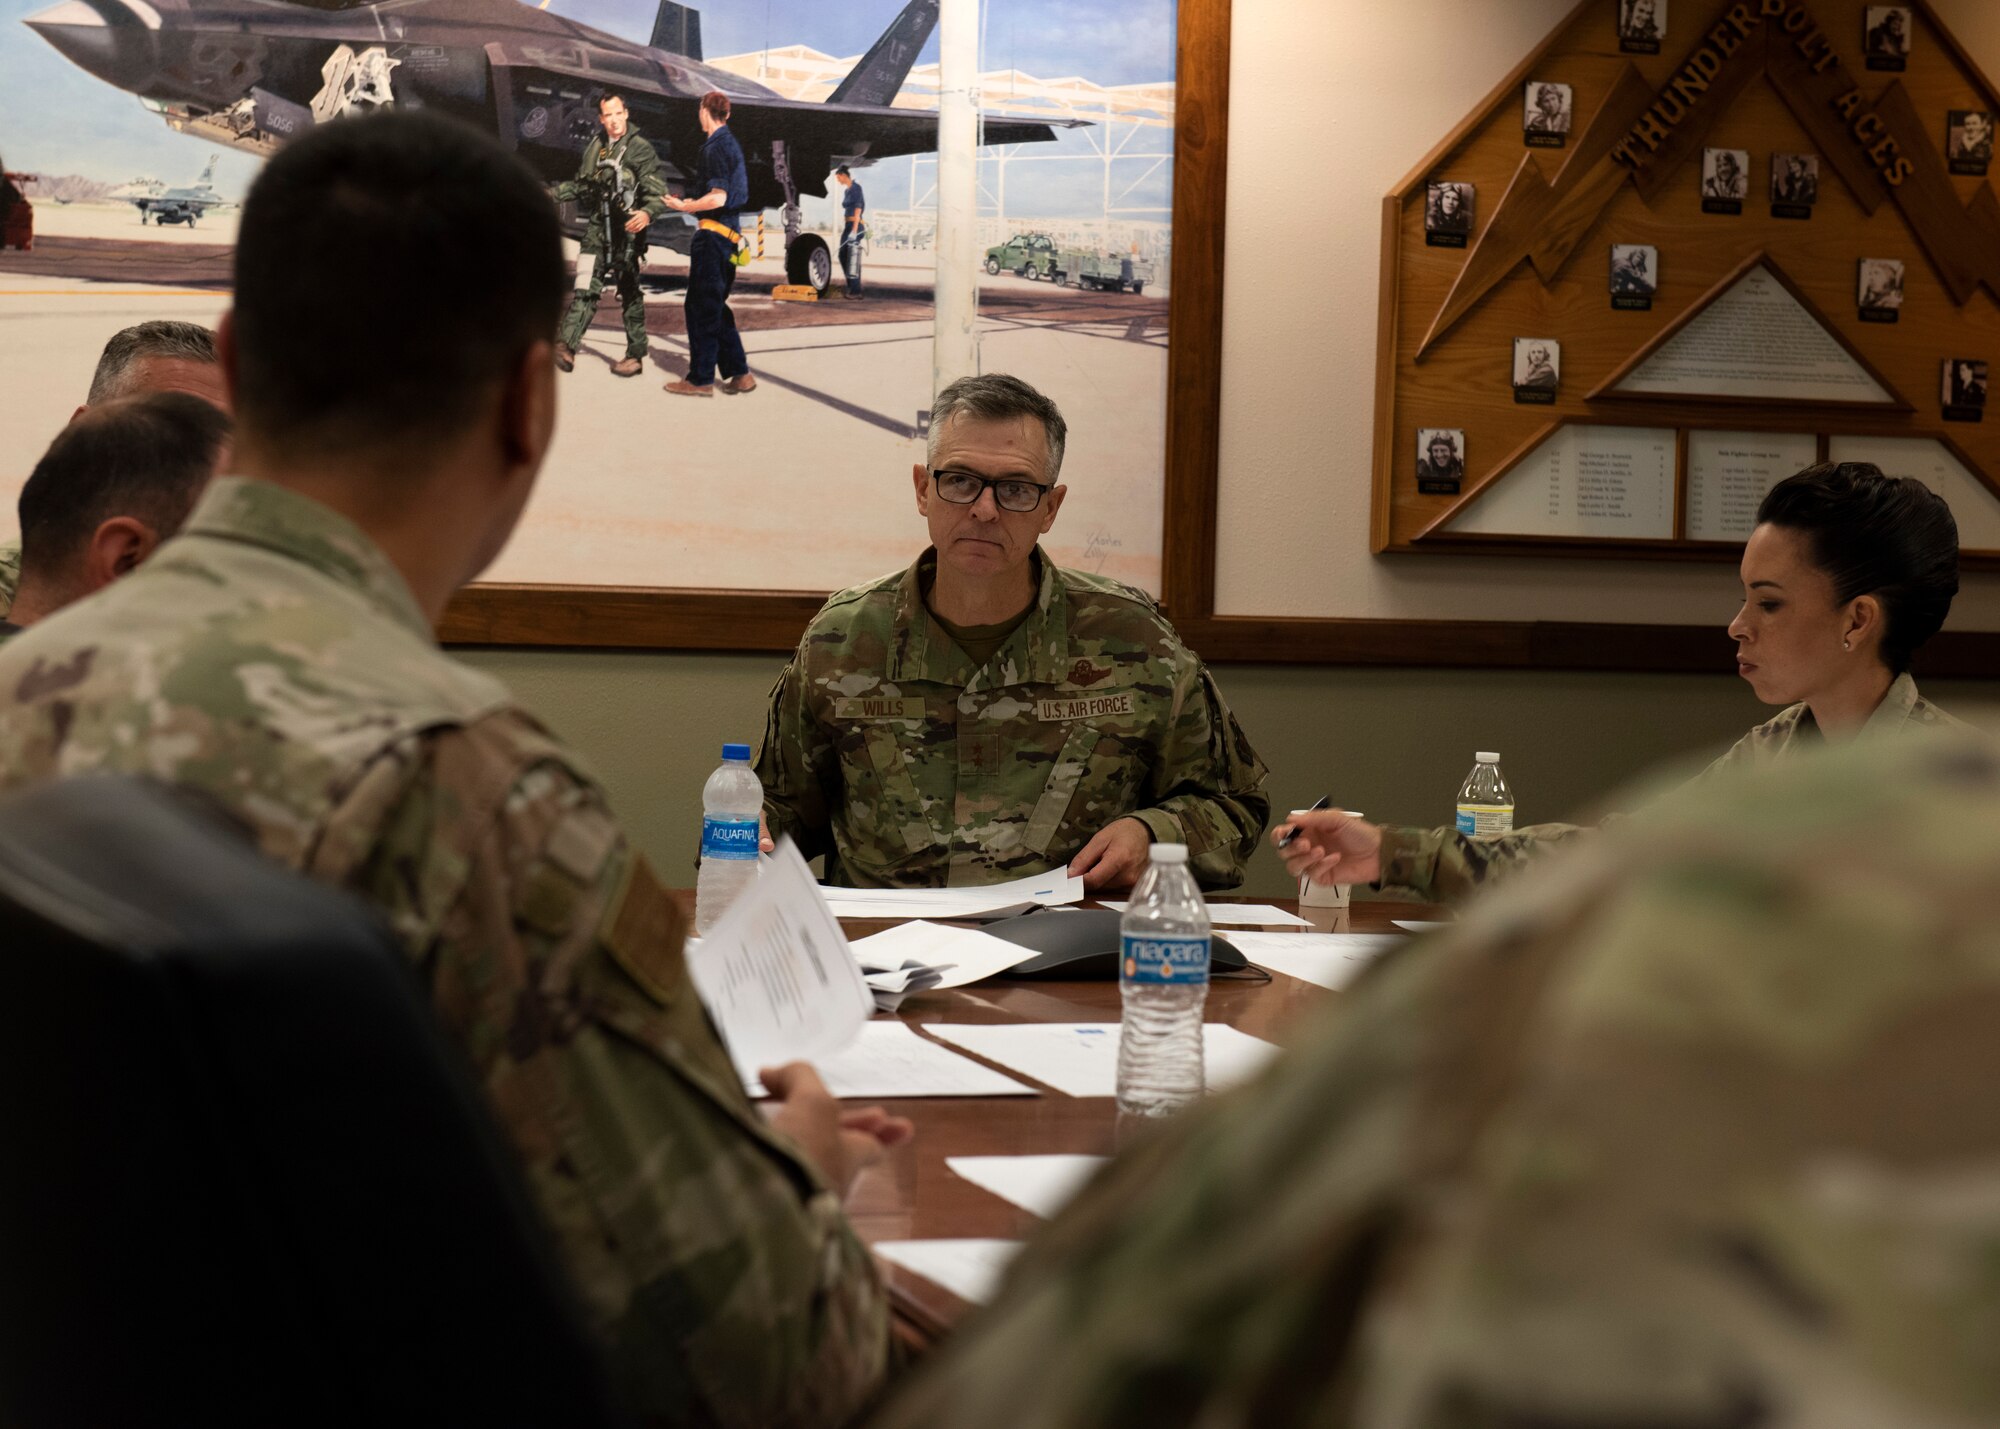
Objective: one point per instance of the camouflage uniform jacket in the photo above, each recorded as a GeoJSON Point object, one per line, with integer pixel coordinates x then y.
{"type": "Point", "coordinates": [1443, 865]}
{"type": "Point", "coordinates": [888, 752]}
{"type": "Point", "coordinates": [273, 658]}
{"type": "Point", "coordinates": [638, 173]}
{"type": "Point", "coordinates": [1693, 1129]}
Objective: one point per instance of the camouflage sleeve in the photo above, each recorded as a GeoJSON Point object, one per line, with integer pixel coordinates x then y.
{"type": "Point", "coordinates": [797, 765]}
{"type": "Point", "coordinates": [1444, 866]}
{"type": "Point", "coordinates": [1207, 789]}
{"type": "Point", "coordinates": [10, 575]}
{"type": "Point", "coordinates": [719, 1269]}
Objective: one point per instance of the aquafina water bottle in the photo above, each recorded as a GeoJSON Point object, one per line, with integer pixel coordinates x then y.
{"type": "Point", "coordinates": [731, 802]}
{"type": "Point", "coordinates": [1163, 974]}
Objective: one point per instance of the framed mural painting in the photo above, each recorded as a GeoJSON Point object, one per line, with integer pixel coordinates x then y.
{"type": "Point", "coordinates": [659, 520]}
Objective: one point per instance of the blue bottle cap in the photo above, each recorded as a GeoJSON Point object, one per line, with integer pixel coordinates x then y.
{"type": "Point", "coordinates": [736, 751]}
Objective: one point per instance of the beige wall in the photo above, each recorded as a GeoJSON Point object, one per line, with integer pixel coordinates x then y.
{"type": "Point", "coordinates": [1393, 743]}
{"type": "Point", "coordinates": [1331, 104]}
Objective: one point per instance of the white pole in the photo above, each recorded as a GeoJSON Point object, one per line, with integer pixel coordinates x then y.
{"type": "Point", "coordinates": [955, 340]}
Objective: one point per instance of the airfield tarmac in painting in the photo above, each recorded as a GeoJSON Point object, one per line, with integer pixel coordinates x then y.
{"type": "Point", "coordinates": [647, 489]}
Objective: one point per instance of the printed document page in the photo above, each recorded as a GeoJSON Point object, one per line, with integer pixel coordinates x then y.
{"type": "Point", "coordinates": [1045, 888]}
{"type": "Point", "coordinates": [969, 1269]}
{"type": "Point", "coordinates": [963, 955]}
{"type": "Point", "coordinates": [1242, 915]}
{"type": "Point", "coordinates": [890, 1060]}
{"type": "Point", "coordinates": [776, 972]}
{"type": "Point", "coordinates": [1042, 1184]}
{"type": "Point", "coordinates": [1081, 1058]}
{"type": "Point", "coordinates": [1329, 959]}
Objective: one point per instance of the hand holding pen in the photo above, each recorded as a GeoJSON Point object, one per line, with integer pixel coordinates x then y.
{"type": "Point", "coordinates": [1328, 845]}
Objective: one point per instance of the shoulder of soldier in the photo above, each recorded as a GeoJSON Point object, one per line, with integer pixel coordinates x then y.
{"type": "Point", "coordinates": [1780, 728]}
{"type": "Point", "coordinates": [1104, 609]}
{"type": "Point", "coordinates": [870, 606]}
{"type": "Point", "coordinates": [641, 150]}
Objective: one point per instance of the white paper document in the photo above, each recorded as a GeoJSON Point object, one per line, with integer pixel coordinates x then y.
{"type": "Point", "coordinates": [890, 1060]}
{"type": "Point", "coordinates": [962, 955]}
{"type": "Point", "coordinates": [1416, 925]}
{"type": "Point", "coordinates": [776, 972]}
{"type": "Point", "coordinates": [1042, 1184]}
{"type": "Point", "coordinates": [1329, 959]}
{"type": "Point", "coordinates": [1081, 1058]}
{"type": "Point", "coordinates": [1045, 888]}
{"type": "Point", "coordinates": [1242, 915]}
{"type": "Point", "coordinates": [969, 1269]}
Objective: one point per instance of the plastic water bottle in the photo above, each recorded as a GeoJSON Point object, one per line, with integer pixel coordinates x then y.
{"type": "Point", "coordinates": [730, 804]}
{"type": "Point", "coordinates": [1486, 804]}
{"type": "Point", "coordinates": [1163, 974]}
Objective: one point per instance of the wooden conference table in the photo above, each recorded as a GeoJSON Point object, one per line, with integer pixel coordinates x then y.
{"type": "Point", "coordinates": [914, 1196]}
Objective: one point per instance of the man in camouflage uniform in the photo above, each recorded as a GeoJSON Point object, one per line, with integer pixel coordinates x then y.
{"type": "Point", "coordinates": [279, 658]}
{"type": "Point", "coordinates": [119, 480]}
{"type": "Point", "coordinates": [622, 168]}
{"type": "Point", "coordinates": [986, 715]}
{"type": "Point", "coordinates": [162, 355]}
{"type": "Point", "coordinates": [1695, 1129]}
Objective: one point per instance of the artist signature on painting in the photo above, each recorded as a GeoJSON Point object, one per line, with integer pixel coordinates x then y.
{"type": "Point", "coordinates": [1097, 549]}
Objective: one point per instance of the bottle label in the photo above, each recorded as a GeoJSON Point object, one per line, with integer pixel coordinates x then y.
{"type": "Point", "coordinates": [728, 838]}
{"type": "Point", "coordinates": [1181, 961]}
{"type": "Point", "coordinates": [1485, 821]}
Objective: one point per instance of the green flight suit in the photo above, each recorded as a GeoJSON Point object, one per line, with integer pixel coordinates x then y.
{"type": "Point", "coordinates": [612, 256]}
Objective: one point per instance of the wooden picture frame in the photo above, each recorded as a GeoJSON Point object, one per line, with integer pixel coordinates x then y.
{"type": "Point", "coordinates": [664, 618]}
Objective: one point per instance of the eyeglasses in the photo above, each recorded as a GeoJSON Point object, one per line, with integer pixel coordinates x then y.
{"type": "Point", "coordinates": [964, 488]}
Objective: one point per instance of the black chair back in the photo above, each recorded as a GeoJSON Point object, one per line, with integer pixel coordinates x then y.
{"type": "Point", "coordinates": [243, 1179]}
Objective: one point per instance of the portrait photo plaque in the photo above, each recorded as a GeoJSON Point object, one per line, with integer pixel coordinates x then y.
{"type": "Point", "coordinates": [1729, 473]}
{"type": "Point", "coordinates": [1635, 276]}
{"type": "Point", "coordinates": [1642, 24]}
{"type": "Point", "coordinates": [1537, 370]}
{"type": "Point", "coordinates": [1968, 141]}
{"type": "Point", "coordinates": [1964, 389]}
{"type": "Point", "coordinates": [1885, 38]}
{"type": "Point", "coordinates": [1440, 460]}
{"type": "Point", "coordinates": [1794, 185]}
{"type": "Point", "coordinates": [1546, 114]}
{"type": "Point", "coordinates": [1879, 290]}
{"type": "Point", "coordinates": [1447, 214]}
{"type": "Point", "coordinates": [1607, 482]}
{"type": "Point", "coordinates": [1725, 180]}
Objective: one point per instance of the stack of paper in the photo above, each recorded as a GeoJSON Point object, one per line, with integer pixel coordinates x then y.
{"type": "Point", "coordinates": [1329, 959]}
{"type": "Point", "coordinates": [1081, 1058]}
{"type": "Point", "coordinates": [890, 1060]}
{"type": "Point", "coordinates": [994, 900]}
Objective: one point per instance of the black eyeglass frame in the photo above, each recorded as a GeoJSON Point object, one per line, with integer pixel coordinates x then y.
{"type": "Point", "coordinates": [989, 483]}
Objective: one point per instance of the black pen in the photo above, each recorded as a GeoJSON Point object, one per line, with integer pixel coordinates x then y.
{"type": "Point", "coordinates": [1322, 802]}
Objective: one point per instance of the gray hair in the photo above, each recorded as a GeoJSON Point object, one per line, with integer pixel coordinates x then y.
{"type": "Point", "coordinates": [188, 342]}
{"type": "Point", "coordinates": [994, 397]}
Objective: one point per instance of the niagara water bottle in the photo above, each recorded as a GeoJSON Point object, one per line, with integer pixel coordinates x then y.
{"type": "Point", "coordinates": [1163, 974]}
{"type": "Point", "coordinates": [730, 804]}
{"type": "Point", "coordinates": [1486, 804]}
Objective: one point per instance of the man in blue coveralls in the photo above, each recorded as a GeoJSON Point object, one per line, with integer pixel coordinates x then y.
{"type": "Point", "coordinates": [852, 210]}
{"type": "Point", "coordinates": [724, 186]}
